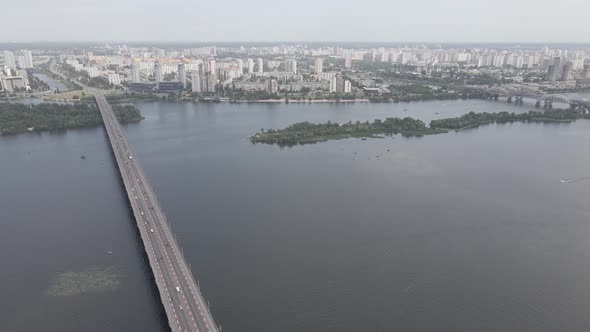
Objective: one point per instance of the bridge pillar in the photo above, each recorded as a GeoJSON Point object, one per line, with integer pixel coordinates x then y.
{"type": "Point", "coordinates": [496, 96]}
{"type": "Point", "coordinates": [518, 100]}
{"type": "Point", "coordinates": [509, 100]}
{"type": "Point", "coordinates": [538, 104]}
{"type": "Point", "coordinates": [548, 104]}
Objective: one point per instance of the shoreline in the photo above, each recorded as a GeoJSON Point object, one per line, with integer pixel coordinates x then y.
{"type": "Point", "coordinates": [293, 101]}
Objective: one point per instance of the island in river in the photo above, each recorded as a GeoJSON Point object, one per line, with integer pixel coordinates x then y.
{"type": "Point", "coordinates": [20, 118]}
{"type": "Point", "coordinates": [307, 133]}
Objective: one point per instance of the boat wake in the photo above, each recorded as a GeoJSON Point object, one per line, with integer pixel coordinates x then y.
{"type": "Point", "coordinates": [574, 179]}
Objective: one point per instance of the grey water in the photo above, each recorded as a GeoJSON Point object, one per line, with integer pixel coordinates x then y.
{"type": "Point", "coordinates": [462, 231]}
{"type": "Point", "coordinates": [54, 84]}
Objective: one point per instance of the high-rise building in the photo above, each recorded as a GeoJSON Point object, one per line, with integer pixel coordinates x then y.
{"type": "Point", "coordinates": [273, 86]}
{"type": "Point", "coordinates": [566, 71]}
{"type": "Point", "coordinates": [28, 59]}
{"type": "Point", "coordinates": [347, 86]}
{"type": "Point", "coordinates": [21, 62]}
{"type": "Point", "coordinates": [195, 82]}
{"type": "Point", "coordinates": [402, 59]}
{"type": "Point", "coordinates": [209, 83]}
{"type": "Point", "coordinates": [348, 62]}
{"type": "Point", "coordinates": [92, 71]}
{"type": "Point", "coordinates": [519, 61]}
{"type": "Point", "coordinates": [340, 85]}
{"type": "Point", "coordinates": [557, 67]}
{"type": "Point", "coordinates": [318, 65]}
{"type": "Point", "coordinates": [368, 57]}
{"type": "Point", "coordinates": [382, 57]}
{"type": "Point", "coordinates": [334, 85]}
{"type": "Point", "coordinates": [182, 75]}
{"type": "Point", "coordinates": [12, 83]}
{"type": "Point", "coordinates": [291, 66]}
{"type": "Point", "coordinates": [586, 71]}
{"type": "Point", "coordinates": [211, 66]}
{"type": "Point", "coordinates": [240, 66]}
{"type": "Point", "coordinates": [157, 73]}
{"type": "Point", "coordinates": [114, 79]}
{"type": "Point", "coordinates": [260, 66]}
{"type": "Point", "coordinates": [9, 60]}
{"type": "Point", "coordinates": [250, 66]}
{"type": "Point", "coordinates": [135, 73]}
{"type": "Point", "coordinates": [551, 74]}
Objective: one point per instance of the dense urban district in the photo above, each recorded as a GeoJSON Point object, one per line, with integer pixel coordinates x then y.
{"type": "Point", "coordinates": [293, 72]}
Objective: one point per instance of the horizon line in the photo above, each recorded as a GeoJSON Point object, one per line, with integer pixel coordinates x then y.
{"type": "Point", "coordinates": [296, 42]}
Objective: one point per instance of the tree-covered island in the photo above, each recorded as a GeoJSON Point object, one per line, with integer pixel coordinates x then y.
{"type": "Point", "coordinates": [20, 118]}
{"type": "Point", "coordinates": [306, 133]}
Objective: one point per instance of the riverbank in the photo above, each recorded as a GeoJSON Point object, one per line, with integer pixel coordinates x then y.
{"type": "Point", "coordinates": [21, 118]}
{"type": "Point", "coordinates": [296, 101]}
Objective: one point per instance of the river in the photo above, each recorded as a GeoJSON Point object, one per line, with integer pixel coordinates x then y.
{"type": "Point", "coordinates": [463, 231]}
{"type": "Point", "coordinates": [54, 84]}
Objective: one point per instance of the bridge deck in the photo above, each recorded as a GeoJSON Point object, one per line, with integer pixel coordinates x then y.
{"type": "Point", "coordinates": [182, 300]}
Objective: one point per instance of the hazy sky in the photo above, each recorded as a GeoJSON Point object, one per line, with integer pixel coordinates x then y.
{"type": "Point", "coordinates": [299, 20]}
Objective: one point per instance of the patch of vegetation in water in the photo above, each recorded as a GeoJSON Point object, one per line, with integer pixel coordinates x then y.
{"type": "Point", "coordinates": [92, 280]}
{"type": "Point", "coordinates": [307, 133]}
{"type": "Point", "coordinates": [21, 118]}
{"type": "Point", "coordinates": [472, 119]}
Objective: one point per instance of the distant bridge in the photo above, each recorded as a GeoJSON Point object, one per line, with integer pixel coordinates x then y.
{"type": "Point", "coordinates": [517, 95]}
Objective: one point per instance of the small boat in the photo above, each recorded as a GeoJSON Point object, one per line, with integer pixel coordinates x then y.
{"type": "Point", "coordinates": [110, 252]}
{"type": "Point", "coordinates": [82, 156]}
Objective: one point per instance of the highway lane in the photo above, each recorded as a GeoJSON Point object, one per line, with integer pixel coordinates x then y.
{"type": "Point", "coordinates": [147, 222]}
{"type": "Point", "coordinates": [180, 295]}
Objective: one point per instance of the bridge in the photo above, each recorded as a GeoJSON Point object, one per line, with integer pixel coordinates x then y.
{"type": "Point", "coordinates": [518, 94]}
{"type": "Point", "coordinates": [179, 293]}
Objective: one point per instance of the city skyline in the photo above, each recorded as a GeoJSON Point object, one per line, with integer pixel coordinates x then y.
{"type": "Point", "coordinates": [522, 21]}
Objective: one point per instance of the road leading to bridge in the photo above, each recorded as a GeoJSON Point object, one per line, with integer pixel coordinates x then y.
{"type": "Point", "coordinates": [182, 300]}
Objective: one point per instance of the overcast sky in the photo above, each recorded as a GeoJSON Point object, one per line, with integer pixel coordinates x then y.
{"type": "Point", "coordinates": [300, 20]}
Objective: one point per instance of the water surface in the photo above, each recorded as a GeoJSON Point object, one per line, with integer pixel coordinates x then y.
{"type": "Point", "coordinates": [456, 232]}
{"type": "Point", "coordinates": [54, 84]}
